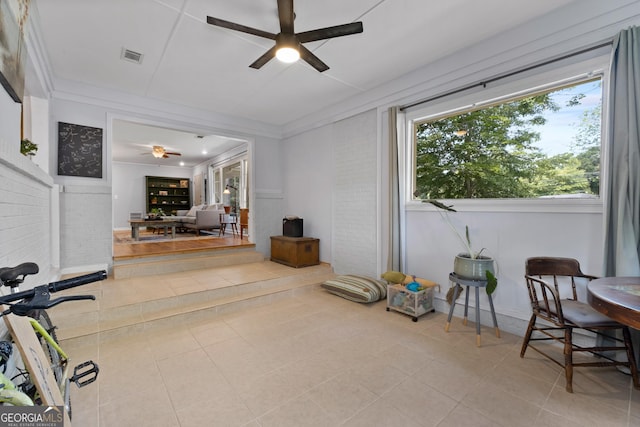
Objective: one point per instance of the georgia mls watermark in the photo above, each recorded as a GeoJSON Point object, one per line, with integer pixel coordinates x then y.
{"type": "Point", "coordinates": [31, 416]}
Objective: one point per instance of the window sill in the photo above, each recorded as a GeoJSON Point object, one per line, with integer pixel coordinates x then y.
{"type": "Point", "coordinates": [587, 206]}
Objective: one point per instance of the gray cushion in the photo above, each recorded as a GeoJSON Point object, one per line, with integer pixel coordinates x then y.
{"type": "Point", "coordinates": [584, 316]}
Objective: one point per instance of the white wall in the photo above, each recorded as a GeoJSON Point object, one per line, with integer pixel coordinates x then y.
{"type": "Point", "coordinates": [267, 197]}
{"type": "Point", "coordinates": [509, 237]}
{"type": "Point", "coordinates": [355, 228]}
{"type": "Point", "coordinates": [332, 186]}
{"type": "Point", "coordinates": [26, 194]}
{"type": "Point", "coordinates": [308, 166]}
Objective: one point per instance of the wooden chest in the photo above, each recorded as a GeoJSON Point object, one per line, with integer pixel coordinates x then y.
{"type": "Point", "coordinates": [295, 251]}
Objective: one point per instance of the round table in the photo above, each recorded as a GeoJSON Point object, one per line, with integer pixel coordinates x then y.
{"type": "Point", "coordinates": [617, 298]}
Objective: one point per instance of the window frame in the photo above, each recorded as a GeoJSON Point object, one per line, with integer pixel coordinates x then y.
{"type": "Point", "coordinates": [565, 72]}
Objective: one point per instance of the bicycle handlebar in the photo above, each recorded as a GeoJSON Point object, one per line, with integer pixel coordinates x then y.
{"type": "Point", "coordinates": [58, 286]}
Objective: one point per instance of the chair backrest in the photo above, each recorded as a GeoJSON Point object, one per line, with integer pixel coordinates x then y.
{"type": "Point", "coordinates": [552, 266]}
{"type": "Point", "coordinates": [545, 276]}
{"type": "Point", "coordinates": [135, 215]}
{"type": "Point", "coordinates": [244, 216]}
{"type": "Point", "coordinates": [557, 270]}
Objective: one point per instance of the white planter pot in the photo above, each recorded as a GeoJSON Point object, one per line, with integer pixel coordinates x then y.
{"type": "Point", "coordinates": [467, 268]}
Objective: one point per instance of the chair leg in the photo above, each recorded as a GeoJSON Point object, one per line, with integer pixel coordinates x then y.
{"type": "Point", "coordinates": [527, 336]}
{"type": "Point", "coordinates": [633, 367]}
{"type": "Point", "coordinates": [568, 359]}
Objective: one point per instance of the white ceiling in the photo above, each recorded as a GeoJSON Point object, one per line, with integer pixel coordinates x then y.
{"type": "Point", "coordinates": [189, 62]}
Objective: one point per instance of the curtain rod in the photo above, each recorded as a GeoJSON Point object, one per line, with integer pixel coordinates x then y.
{"type": "Point", "coordinates": [484, 83]}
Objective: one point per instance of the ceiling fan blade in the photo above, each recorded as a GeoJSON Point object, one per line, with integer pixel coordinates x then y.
{"type": "Point", "coordinates": [330, 32]}
{"type": "Point", "coordinates": [286, 16]}
{"type": "Point", "coordinates": [238, 27]}
{"type": "Point", "coordinates": [172, 153]}
{"type": "Point", "coordinates": [268, 55]}
{"type": "Point", "coordinates": [313, 60]}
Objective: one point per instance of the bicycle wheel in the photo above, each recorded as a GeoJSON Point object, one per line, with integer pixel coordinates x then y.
{"type": "Point", "coordinates": [50, 352]}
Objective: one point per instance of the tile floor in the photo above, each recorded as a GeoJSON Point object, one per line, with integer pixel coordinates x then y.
{"type": "Point", "coordinates": [319, 360]}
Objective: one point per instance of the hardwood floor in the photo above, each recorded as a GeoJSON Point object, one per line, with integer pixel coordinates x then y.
{"type": "Point", "coordinates": [183, 243]}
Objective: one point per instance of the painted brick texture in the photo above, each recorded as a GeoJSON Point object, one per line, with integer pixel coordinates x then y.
{"type": "Point", "coordinates": [24, 221]}
{"type": "Point", "coordinates": [354, 195]}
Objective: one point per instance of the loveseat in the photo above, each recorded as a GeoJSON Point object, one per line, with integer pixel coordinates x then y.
{"type": "Point", "coordinates": [201, 217]}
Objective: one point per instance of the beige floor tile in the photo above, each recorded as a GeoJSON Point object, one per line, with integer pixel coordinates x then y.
{"type": "Point", "coordinates": [342, 397]}
{"type": "Point", "coordinates": [584, 410]}
{"type": "Point", "coordinates": [147, 406]}
{"type": "Point", "coordinates": [499, 405]}
{"type": "Point", "coordinates": [318, 360]}
{"type": "Point", "coordinates": [422, 403]}
{"type": "Point", "coordinates": [381, 414]}
{"type": "Point", "coordinates": [299, 412]}
{"type": "Point", "coordinates": [462, 416]}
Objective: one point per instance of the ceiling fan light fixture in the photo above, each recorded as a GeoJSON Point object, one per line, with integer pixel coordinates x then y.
{"type": "Point", "coordinates": [158, 152]}
{"type": "Point", "coordinates": [288, 51]}
{"type": "Point", "coordinates": [287, 55]}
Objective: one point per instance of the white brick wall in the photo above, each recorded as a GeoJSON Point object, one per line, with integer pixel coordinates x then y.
{"type": "Point", "coordinates": [355, 227]}
{"type": "Point", "coordinates": [25, 224]}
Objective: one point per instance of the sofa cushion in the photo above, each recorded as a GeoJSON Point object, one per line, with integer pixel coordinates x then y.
{"type": "Point", "coordinates": [356, 288]}
{"type": "Point", "coordinates": [188, 220]}
{"type": "Point", "coordinates": [192, 211]}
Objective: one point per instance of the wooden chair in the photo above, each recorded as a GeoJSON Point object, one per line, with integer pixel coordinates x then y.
{"type": "Point", "coordinates": [560, 316]}
{"type": "Point", "coordinates": [244, 220]}
{"type": "Point", "coordinates": [227, 219]}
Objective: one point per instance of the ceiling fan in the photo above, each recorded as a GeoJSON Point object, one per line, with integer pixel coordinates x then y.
{"type": "Point", "coordinates": [288, 47]}
{"type": "Point", "coordinates": [159, 152]}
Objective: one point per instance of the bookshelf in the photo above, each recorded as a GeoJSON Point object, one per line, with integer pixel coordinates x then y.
{"type": "Point", "coordinates": [168, 194]}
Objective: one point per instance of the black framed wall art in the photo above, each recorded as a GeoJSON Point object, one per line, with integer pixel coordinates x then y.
{"type": "Point", "coordinates": [79, 150]}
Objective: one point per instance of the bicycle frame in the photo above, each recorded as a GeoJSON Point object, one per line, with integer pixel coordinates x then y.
{"type": "Point", "coordinates": [9, 393]}
{"type": "Point", "coordinates": [42, 331]}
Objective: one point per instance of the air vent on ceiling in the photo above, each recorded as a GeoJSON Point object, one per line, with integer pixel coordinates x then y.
{"type": "Point", "coordinates": [129, 55]}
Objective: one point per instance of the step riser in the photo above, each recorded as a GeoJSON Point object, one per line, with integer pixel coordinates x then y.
{"type": "Point", "coordinates": [123, 270]}
{"type": "Point", "coordinates": [195, 317]}
{"type": "Point", "coordinates": [189, 306]}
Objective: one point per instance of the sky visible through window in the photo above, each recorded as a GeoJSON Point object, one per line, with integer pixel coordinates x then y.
{"type": "Point", "coordinates": [558, 135]}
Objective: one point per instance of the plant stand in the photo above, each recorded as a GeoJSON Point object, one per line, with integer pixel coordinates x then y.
{"type": "Point", "coordinates": [477, 284]}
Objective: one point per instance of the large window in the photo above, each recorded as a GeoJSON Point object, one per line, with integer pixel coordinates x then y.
{"type": "Point", "coordinates": [230, 183]}
{"type": "Point", "coordinates": [539, 143]}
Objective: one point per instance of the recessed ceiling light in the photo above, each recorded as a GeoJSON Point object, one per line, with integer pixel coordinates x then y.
{"type": "Point", "coordinates": [204, 151]}
{"type": "Point", "coordinates": [181, 163]}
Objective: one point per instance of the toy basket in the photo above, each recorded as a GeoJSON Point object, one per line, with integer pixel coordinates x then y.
{"type": "Point", "coordinates": [414, 304]}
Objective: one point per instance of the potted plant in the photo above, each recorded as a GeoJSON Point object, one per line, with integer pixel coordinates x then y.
{"type": "Point", "coordinates": [156, 213]}
{"type": "Point", "coordinates": [28, 148]}
{"type": "Point", "coordinates": [470, 264]}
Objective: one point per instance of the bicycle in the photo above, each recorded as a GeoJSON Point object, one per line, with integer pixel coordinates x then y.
{"type": "Point", "coordinates": [32, 304]}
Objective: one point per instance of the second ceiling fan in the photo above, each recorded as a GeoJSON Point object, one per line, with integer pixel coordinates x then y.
{"type": "Point", "coordinates": [159, 152]}
{"type": "Point", "coordinates": [287, 41]}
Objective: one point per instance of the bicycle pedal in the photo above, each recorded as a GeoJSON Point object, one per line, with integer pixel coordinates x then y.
{"type": "Point", "coordinates": [85, 373]}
